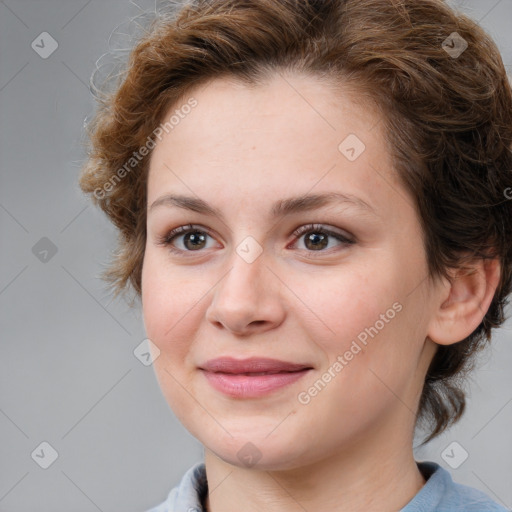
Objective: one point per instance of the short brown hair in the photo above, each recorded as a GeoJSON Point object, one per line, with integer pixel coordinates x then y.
{"type": "Point", "coordinates": [448, 125]}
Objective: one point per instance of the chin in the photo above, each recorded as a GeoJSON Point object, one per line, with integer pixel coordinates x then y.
{"type": "Point", "coordinates": [260, 453]}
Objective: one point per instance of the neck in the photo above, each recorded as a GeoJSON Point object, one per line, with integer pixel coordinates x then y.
{"type": "Point", "coordinates": [371, 477]}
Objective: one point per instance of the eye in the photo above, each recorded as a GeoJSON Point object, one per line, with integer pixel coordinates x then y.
{"type": "Point", "coordinates": [194, 238]}
{"type": "Point", "coordinates": [190, 238]}
{"type": "Point", "coordinates": [317, 237]}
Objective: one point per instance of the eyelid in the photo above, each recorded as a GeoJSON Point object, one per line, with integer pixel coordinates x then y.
{"type": "Point", "coordinates": [345, 236]}
{"type": "Point", "coordinates": [181, 230]}
{"type": "Point", "coordinates": [344, 239]}
{"type": "Point", "coordinates": [167, 239]}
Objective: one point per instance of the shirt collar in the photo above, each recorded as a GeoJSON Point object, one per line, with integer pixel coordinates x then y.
{"type": "Point", "coordinates": [189, 495]}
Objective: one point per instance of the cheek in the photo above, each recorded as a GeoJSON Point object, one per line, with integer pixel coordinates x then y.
{"type": "Point", "coordinates": [359, 316]}
{"type": "Point", "coordinates": [341, 304]}
{"type": "Point", "coordinates": [167, 303]}
{"type": "Point", "coordinates": [170, 309]}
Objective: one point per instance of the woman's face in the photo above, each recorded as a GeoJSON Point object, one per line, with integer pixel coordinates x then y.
{"type": "Point", "coordinates": [348, 297]}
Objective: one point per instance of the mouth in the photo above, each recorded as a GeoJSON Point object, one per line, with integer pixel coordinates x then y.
{"type": "Point", "coordinates": [252, 366]}
{"type": "Point", "coordinates": [252, 378]}
{"type": "Point", "coordinates": [256, 374]}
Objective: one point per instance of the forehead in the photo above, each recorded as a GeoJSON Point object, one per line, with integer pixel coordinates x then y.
{"type": "Point", "coordinates": [284, 137]}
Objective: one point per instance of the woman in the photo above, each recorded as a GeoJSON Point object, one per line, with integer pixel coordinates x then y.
{"type": "Point", "coordinates": [310, 196]}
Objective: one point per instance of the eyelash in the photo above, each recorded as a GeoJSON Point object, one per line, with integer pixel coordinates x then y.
{"type": "Point", "coordinates": [168, 238]}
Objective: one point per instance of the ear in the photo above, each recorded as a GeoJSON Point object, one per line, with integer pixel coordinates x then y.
{"type": "Point", "coordinates": [464, 301]}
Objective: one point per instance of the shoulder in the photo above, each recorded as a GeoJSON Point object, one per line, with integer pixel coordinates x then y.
{"type": "Point", "coordinates": [188, 494]}
{"type": "Point", "coordinates": [468, 498]}
{"type": "Point", "coordinates": [442, 494]}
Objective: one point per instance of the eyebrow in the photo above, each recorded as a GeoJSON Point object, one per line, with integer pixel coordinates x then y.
{"type": "Point", "coordinates": [280, 208]}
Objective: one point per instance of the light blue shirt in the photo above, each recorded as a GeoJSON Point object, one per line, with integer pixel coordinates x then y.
{"type": "Point", "coordinates": [439, 494]}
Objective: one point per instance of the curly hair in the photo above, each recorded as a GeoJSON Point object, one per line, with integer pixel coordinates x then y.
{"type": "Point", "coordinates": [448, 120]}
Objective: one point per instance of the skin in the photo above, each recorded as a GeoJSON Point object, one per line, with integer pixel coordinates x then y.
{"type": "Point", "coordinates": [242, 149]}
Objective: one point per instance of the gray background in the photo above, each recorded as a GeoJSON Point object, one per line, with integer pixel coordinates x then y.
{"type": "Point", "coordinates": [68, 375]}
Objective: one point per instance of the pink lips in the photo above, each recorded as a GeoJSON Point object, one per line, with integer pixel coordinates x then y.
{"type": "Point", "coordinates": [251, 378]}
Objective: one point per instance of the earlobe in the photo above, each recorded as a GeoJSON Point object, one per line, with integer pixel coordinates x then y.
{"type": "Point", "coordinates": [465, 302]}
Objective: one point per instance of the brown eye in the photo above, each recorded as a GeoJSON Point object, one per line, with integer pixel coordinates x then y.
{"type": "Point", "coordinates": [186, 239]}
{"type": "Point", "coordinates": [194, 240]}
{"type": "Point", "coordinates": [317, 238]}
{"type": "Point", "coordinates": [315, 241]}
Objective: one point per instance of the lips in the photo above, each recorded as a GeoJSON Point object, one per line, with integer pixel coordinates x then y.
{"type": "Point", "coordinates": [253, 366]}
{"type": "Point", "coordinates": [252, 378]}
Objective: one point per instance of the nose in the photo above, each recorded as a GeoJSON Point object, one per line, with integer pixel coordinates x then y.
{"type": "Point", "coordinates": [248, 299]}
